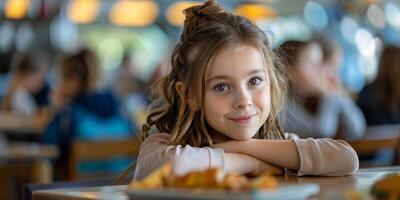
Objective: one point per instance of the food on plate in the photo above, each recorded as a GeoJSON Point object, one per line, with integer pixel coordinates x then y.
{"type": "Point", "coordinates": [387, 188]}
{"type": "Point", "coordinates": [212, 178]}
{"type": "Point", "coordinates": [155, 179]}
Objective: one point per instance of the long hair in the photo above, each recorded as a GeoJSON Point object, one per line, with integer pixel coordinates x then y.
{"type": "Point", "coordinates": [388, 79]}
{"type": "Point", "coordinates": [208, 29]}
{"type": "Point", "coordinates": [289, 53]}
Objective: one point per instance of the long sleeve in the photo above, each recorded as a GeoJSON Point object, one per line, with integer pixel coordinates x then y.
{"type": "Point", "coordinates": [326, 157]}
{"type": "Point", "coordinates": [352, 118]}
{"type": "Point", "coordinates": [155, 151]}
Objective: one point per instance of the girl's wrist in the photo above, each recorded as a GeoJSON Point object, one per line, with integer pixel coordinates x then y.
{"type": "Point", "coordinates": [239, 163]}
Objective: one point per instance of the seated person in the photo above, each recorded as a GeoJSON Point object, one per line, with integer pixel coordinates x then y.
{"type": "Point", "coordinates": [82, 111]}
{"type": "Point", "coordinates": [27, 92]}
{"type": "Point", "coordinates": [380, 100]}
{"type": "Point", "coordinates": [317, 107]}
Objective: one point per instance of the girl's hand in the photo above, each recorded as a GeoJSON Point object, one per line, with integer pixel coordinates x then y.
{"type": "Point", "coordinates": [263, 167]}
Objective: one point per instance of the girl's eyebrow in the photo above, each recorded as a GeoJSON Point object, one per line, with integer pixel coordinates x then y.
{"type": "Point", "coordinates": [256, 71]}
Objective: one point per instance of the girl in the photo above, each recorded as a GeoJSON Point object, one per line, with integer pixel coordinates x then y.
{"type": "Point", "coordinates": [219, 104]}
{"type": "Point", "coordinates": [317, 107]}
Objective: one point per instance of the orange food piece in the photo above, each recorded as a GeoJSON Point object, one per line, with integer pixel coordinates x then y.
{"type": "Point", "coordinates": [155, 179]}
{"type": "Point", "coordinates": [235, 181]}
{"type": "Point", "coordinates": [265, 181]}
{"type": "Point", "coordinates": [387, 188]}
{"type": "Point", "coordinates": [211, 178]}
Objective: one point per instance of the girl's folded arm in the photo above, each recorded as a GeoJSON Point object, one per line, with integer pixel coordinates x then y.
{"type": "Point", "coordinates": [155, 151]}
{"type": "Point", "coordinates": [282, 153]}
{"type": "Point", "coordinates": [326, 157]}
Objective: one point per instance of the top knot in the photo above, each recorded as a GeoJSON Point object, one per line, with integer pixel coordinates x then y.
{"type": "Point", "coordinates": [195, 14]}
{"type": "Point", "coordinates": [210, 7]}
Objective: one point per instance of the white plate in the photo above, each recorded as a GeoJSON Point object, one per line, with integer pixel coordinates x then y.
{"type": "Point", "coordinates": [285, 192]}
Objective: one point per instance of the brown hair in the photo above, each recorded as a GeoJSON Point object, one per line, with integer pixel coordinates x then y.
{"type": "Point", "coordinates": [388, 79]}
{"type": "Point", "coordinates": [290, 50]}
{"type": "Point", "coordinates": [84, 66]}
{"type": "Point", "coordinates": [328, 46]}
{"type": "Point", "coordinates": [208, 29]}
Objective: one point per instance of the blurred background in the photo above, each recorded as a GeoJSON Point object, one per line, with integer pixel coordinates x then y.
{"type": "Point", "coordinates": [145, 30]}
{"type": "Point", "coordinates": [122, 46]}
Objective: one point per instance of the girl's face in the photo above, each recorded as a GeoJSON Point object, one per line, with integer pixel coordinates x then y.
{"type": "Point", "coordinates": [237, 96]}
{"type": "Point", "coordinates": [308, 69]}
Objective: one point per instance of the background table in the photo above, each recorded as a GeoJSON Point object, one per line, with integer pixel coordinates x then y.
{"type": "Point", "coordinates": [22, 163]}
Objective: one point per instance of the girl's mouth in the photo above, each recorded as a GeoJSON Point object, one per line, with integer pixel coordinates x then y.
{"type": "Point", "coordinates": [242, 119]}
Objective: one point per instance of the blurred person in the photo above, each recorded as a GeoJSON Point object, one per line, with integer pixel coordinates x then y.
{"type": "Point", "coordinates": [331, 62]}
{"type": "Point", "coordinates": [129, 88]}
{"type": "Point", "coordinates": [316, 106]}
{"type": "Point", "coordinates": [27, 92]}
{"type": "Point", "coordinates": [380, 100]}
{"type": "Point", "coordinates": [124, 82]}
{"type": "Point", "coordinates": [82, 111]}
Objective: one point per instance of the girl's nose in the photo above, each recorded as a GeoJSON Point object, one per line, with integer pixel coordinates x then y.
{"type": "Point", "coordinates": [243, 99]}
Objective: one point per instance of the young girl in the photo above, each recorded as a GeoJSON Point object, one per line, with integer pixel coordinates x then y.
{"type": "Point", "coordinates": [219, 105]}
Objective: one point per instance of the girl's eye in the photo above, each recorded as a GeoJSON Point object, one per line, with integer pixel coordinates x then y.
{"type": "Point", "coordinates": [255, 81]}
{"type": "Point", "coordinates": [221, 87]}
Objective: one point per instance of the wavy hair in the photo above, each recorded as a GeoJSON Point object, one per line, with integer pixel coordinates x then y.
{"type": "Point", "coordinates": [208, 29]}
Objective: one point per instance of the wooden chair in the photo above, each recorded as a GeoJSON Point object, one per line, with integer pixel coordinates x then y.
{"type": "Point", "coordinates": [99, 150]}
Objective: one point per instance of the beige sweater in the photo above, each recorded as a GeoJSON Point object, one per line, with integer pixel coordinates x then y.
{"type": "Point", "coordinates": [326, 157]}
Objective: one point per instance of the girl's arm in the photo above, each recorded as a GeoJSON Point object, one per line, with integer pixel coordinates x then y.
{"type": "Point", "coordinates": [326, 157]}
{"type": "Point", "coordinates": [281, 153]}
{"type": "Point", "coordinates": [245, 164]}
{"type": "Point", "coordinates": [155, 150]}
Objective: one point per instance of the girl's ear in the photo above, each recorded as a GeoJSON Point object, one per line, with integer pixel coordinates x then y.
{"type": "Point", "coordinates": [181, 89]}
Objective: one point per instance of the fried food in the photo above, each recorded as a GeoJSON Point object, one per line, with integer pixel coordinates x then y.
{"type": "Point", "coordinates": [387, 188]}
{"type": "Point", "coordinates": [154, 180]}
{"type": "Point", "coordinates": [211, 178]}
{"type": "Point", "coordinates": [264, 181]}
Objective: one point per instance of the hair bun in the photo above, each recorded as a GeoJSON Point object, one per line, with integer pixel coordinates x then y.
{"type": "Point", "coordinates": [195, 14]}
{"type": "Point", "coordinates": [210, 7]}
